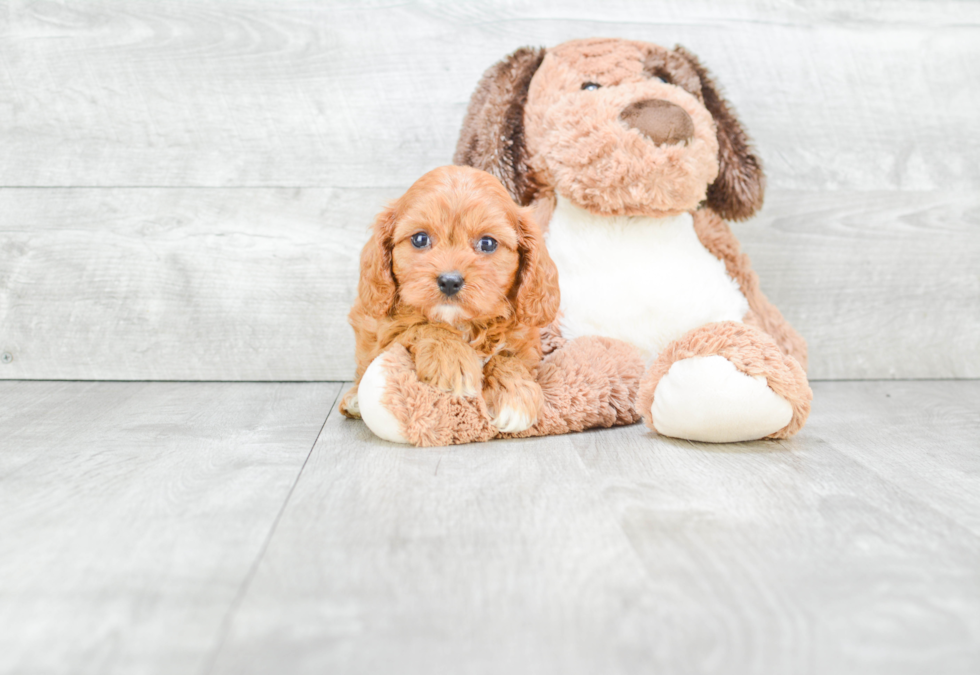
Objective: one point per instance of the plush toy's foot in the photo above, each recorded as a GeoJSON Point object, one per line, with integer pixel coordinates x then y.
{"type": "Point", "coordinates": [586, 383]}
{"type": "Point", "coordinates": [368, 400]}
{"type": "Point", "coordinates": [349, 404]}
{"type": "Point", "coordinates": [724, 383]}
{"type": "Point", "coordinates": [705, 398]}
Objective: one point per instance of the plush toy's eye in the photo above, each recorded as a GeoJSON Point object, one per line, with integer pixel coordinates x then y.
{"type": "Point", "coordinates": [420, 240]}
{"type": "Point", "coordinates": [487, 245]}
{"type": "Point", "coordinates": [590, 86]}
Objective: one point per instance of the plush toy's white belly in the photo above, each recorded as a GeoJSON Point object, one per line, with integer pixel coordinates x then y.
{"type": "Point", "coordinates": [643, 280]}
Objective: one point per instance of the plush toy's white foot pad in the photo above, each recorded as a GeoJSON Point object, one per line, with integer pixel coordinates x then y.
{"type": "Point", "coordinates": [511, 421]}
{"type": "Point", "coordinates": [705, 398]}
{"type": "Point", "coordinates": [352, 405]}
{"type": "Point", "coordinates": [374, 414]}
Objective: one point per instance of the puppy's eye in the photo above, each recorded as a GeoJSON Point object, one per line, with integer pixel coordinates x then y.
{"type": "Point", "coordinates": [487, 245]}
{"type": "Point", "coordinates": [420, 240]}
{"type": "Point", "coordinates": [657, 77]}
{"type": "Point", "coordinates": [590, 86]}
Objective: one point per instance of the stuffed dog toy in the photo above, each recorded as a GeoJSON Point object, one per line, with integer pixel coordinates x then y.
{"type": "Point", "coordinates": [632, 162]}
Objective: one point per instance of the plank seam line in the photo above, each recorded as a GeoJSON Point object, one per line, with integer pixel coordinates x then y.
{"type": "Point", "coordinates": [253, 569]}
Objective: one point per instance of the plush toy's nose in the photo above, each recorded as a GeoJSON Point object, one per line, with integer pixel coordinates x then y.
{"type": "Point", "coordinates": [661, 121]}
{"type": "Point", "coordinates": [450, 283]}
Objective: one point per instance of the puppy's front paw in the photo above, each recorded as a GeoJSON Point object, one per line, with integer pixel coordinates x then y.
{"type": "Point", "coordinates": [449, 365]}
{"type": "Point", "coordinates": [511, 421]}
{"type": "Point", "coordinates": [513, 404]}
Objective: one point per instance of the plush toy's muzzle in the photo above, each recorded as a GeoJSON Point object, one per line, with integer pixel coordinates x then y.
{"type": "Point", "coordinates": [659, 120]}
{"type": "Point", "coordinates": [616, 140]}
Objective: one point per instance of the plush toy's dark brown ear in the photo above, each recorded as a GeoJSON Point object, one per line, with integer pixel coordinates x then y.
{"type": "Point", "coordinates": [738, 191]}
{"type": "Point", "coordinates": [492, 138]}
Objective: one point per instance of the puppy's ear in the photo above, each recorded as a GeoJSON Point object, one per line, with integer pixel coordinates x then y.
{"type": "Point", "coordinates": [536, 295]}
{"type": "Point", "coordinates": [376, 287]}
{"type": "Point", "coordinates": [738, 191]}
{"type": "Point", "coordinates": [492, 137]}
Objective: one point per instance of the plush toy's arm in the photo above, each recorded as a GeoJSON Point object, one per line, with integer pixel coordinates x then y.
{"type": "Point", "coordinates": [587, 382]}
{"type": "Point", "coordinates": [717, 237]}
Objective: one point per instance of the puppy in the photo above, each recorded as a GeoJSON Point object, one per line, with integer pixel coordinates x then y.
{"type": "Point", "coordinates": [456, 272]}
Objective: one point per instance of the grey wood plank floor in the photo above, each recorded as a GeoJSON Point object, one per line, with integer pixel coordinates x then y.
{"type": "Point", "coordinates": [131, 513]}
{"type": "Point", "coordinates": [189, 527]}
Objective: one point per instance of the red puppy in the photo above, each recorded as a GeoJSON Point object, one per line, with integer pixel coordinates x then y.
{"type": "Point", "coordinates": [457, 273]}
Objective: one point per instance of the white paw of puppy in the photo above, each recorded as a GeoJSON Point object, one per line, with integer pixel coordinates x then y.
{"type": "Point", "coordinates": [705, 398]}
{"type": "Point", "coordinates": [375, 415]}
{"type": "Point", "coordinates": [511, 421]}
{"type": "Point", "coordinates": [470, 385]}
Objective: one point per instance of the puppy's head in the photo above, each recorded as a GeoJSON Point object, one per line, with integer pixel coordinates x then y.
{"type": "Point", "coordinates": [458, 249]}
{"type": "Point", "coordinates": [617, 127]}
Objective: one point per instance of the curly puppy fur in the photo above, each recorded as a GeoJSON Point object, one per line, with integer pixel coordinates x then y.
{"type": "Point", "coordinates": [483, 338]}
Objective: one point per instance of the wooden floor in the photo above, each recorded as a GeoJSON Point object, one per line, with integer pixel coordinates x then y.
{"type": "Point", "coordinates": [247, 528]}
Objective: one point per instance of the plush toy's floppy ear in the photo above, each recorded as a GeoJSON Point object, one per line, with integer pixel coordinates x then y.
{"type": "Point", "coordinates": [737, 193]}
{"type": "Point", "coordinates": [492, 138]}
{"type": "Point", "coordinates": [376, 287]}
{"type": "Point", "coordinates": [536, 296]}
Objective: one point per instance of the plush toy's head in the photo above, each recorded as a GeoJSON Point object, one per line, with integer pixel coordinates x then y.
{"type": "Point", "coordinates": [615, 126]}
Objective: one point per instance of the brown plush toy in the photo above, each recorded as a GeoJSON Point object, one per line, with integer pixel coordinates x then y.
{"type": "Point", "coordinates": [632, 162]}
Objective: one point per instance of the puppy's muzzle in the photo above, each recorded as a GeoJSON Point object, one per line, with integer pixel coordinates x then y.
{"type": "Point", "coordinates": [660, 121]}
{"type": "Point", "coordinates": [450, 283]}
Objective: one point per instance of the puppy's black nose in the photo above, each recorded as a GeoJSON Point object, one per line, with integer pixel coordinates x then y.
{"type": "Point", "coordinates": [450, 283]}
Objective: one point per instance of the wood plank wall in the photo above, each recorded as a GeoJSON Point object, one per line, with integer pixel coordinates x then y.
{"type": "Point", "coordinates": [185, 186]}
